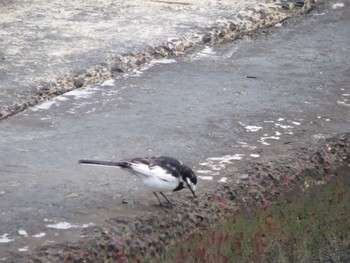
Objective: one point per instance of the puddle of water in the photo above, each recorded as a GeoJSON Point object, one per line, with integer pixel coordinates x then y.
{"type": "Point", "coordinates": [206, 53]}
{"type": "Point", "coordinates": [67, 225]}
{"type": "Point", "coordinates": [108, 82]}
{"type": "Point", "coordinates": [39, 235]}
{"type": "Point", "coordinates": [213, 165]}
{"type": "Point", "coordinates": [205, 177]}
{"type": "Point", "coordinates": [4, 239]}
{"type": "Point", "coordinates": [23, 249]}
{"type": "Point", "coordinates": [303, 226]}
{"type": "Point", "coordinates": [223, 180]}
{"type": "Point", "coordinates": [337, 5]}
{"type": "Point", "coordinates": [23, 232]}
{"type": "Point", "coordinates": [139, 72]}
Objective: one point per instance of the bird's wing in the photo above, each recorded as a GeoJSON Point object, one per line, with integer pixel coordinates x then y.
{"type": "Point", "coordinates": [144, 160]}
{"type": "Point", "coordinates": [170, 164]}
{"type": "Point", "coordinates": [153, 171]}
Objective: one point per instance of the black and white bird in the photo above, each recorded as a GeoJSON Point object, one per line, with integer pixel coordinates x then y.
{"type": "Point", "coordinates": [159, 174]}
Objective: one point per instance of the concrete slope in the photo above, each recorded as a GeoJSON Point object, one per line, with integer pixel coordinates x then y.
{"type": "Point", "coordinates": [48, 48]}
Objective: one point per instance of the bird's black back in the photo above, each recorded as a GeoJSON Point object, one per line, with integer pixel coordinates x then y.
{"type": "Point", "coordinates": [176, 168]}
{"type": "Point", "coordinates": [172, 165]}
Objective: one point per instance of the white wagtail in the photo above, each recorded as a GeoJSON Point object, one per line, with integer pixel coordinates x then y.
{"type": "Point", "coordinates": [160, 174]}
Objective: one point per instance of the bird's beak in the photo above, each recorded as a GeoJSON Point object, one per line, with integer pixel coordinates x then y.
{"type": "Point", "coordinates": [191, 188]}
{"type": "Point", "coordinates": [193, 193]}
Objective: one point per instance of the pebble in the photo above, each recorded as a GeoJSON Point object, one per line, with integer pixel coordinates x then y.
{"type": "Point", "coordinates": [243, 177]}
{"type": "Point", "coordinates": [78, 83]}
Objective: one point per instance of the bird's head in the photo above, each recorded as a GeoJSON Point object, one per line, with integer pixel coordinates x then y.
{"type": "Point", "coordinates": [190, 179]}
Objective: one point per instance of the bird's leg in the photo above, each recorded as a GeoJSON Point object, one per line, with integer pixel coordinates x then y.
{"type": "Point", "coordinates": [170, 203]}
{"type": "Point", "coordinates": [160, 202]}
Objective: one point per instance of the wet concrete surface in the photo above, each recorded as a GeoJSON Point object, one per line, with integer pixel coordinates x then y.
{"type": "Point", "coordinates": [48, 48]}
{"type": "Point", "coordinates": [216, 108]}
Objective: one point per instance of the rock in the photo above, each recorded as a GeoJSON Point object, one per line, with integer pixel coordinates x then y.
{"type": "Point", "coordinates": [299, 3]}
{"type": "Point", "coordinates": [148, 230]}
{"type": "Point", "coordinates": [255, 195]}
{"type": "Point", "coordinates": [206, 38]}
{"type": "Point", "coordinates": [288, 5]}
{"type": "Point", "coordinates": [243, 177]}
{"type": "Point", "coordinates": [275, 177]}
{"type": "Point", "coordinates": [117, 67]}
{"type": "Point", "coordinates": [111, 246]}
{"type": "Point", "coordinates": [263, 14]}
{"type": "Point", "coordinates": [78, 83]}
{"type": "Point", "coordinates": [233, 195]}
{"type": "Point", "coordinates": [232, 26]}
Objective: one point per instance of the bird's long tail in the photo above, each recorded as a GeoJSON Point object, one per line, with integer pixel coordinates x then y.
{"type": "Point", "coordinates": [107, 163]}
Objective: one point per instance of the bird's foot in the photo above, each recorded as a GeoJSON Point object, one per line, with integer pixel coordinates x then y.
{"type": "Point", "coordinates": [167, 205]}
